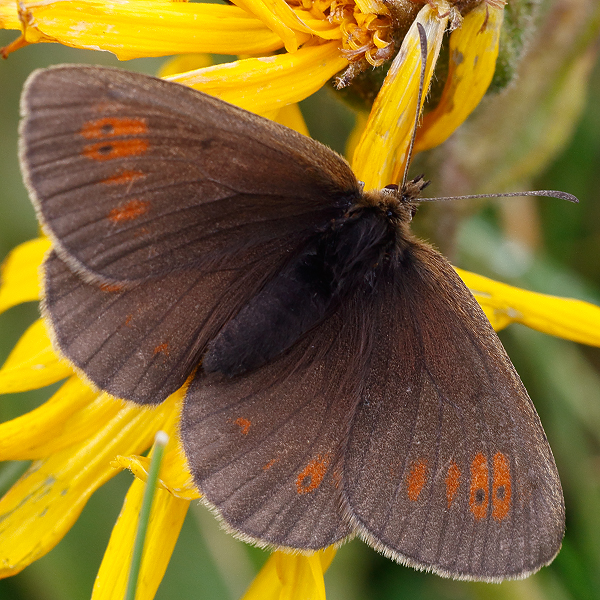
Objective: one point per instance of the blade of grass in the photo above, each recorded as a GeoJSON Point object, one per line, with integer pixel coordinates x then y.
{"type": "Point", "coordinates": [160, 441]}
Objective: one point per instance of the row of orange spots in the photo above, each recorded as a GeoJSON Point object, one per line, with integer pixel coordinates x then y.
{"type": "Point", "coordinates": [106, 129]}
{"type": "Point", "coordinates": [310, 478]}
{"type": "Point", "coordinates": [479, 484]}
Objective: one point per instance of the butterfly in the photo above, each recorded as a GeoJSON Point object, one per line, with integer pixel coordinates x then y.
{"type": "Point", "coordinates": [342, 380]}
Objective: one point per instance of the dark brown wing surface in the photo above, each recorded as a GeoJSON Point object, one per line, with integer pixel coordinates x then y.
{"type": "Point", "coordinates": [134, 177]}
{"type": "Point", "coordinates": [447, 466]}
{"type": "Point", "coordinates": [266, 449]}
{"type": "Point", "coordinates": [401, 418]}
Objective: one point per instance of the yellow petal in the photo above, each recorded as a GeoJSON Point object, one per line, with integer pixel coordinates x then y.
{"type": "Point", "coordinates": [292, 577]}
{"type": "Point", "coordinates": [9, 16]}
{"type": "Point", "coordinates": [185, 62]}
{"type": "Point", "coordinates": [290, 116]}
{"type": "Point", "coordinates": [265, 84]}
{"type": "Point", "coordinates": [133, 28]}
{"type": "Point", "coordinates": [278, 16]}
{"type": "Point", "coordinates": [563, 317]}
{"type": "Point", "coordinates": [473, 53]}
{"type": "Point", "coordinates": [44, 503]}
{"type": "Point", "coordinates": [381, 154]}
{"type": "Point", "coordinates": [47, 429]}
{"type": "Point", "coordinates": [175, 476]}
{"type": "Point", "coordinates": [32, 363]}
{"type": "Point", "coordinates": [166, 519]}
{"type": "Point", "coordinates": [19, 281]}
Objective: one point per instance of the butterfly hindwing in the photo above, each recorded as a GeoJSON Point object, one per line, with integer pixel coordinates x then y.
{"type": "Point", "coordinates": [134, 177]}
{"type": "Point", "coordinates": [265, 449]}
{"type": "Point", "coordinates": [142, 341]}
{"type": "Point", "coordinates": [447, 466]}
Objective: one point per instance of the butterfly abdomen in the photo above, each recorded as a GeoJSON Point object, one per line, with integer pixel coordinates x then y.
{"type": "Point", "coordinates": [307, 290]}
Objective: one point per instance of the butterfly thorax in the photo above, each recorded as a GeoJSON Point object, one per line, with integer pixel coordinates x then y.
{"type": "Point", "coordinates": [349, 253]}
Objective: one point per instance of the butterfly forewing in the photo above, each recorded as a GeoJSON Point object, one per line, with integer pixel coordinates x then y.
{"type": "Point", "coordinates": [447, 465]}
{"type": "Point", "coordinates": [134, 177]}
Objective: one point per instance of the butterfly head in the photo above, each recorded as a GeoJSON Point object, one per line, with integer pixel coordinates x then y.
{"type": "Point", "coordinates": [399, 203]}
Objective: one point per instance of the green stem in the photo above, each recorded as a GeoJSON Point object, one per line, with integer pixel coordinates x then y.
{"type": "Point", "coordinates": [160, 441]}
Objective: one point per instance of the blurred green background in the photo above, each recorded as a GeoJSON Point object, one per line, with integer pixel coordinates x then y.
{"type": "Point", "coordinates": [562, 378]}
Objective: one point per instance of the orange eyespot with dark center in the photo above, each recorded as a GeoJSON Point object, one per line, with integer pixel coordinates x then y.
{"type": "Point", "coordinates": [129, 211]}
{"type": "Point", "coordinates": [113, 126]}
{"type": "Point", "coordinates": [478, 499]}
{"type": "Point", "coordinates": [416, 479]}
{"type": "Point", "coordinates": [115, 149]}
{"type": "Point", "coordinates": [501, 487]}
{"type": "Point", "coordinates": [310, 478]}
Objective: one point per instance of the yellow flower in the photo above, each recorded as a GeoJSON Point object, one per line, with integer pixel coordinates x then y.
{"type": "Point", "coordinates": [80, 438]}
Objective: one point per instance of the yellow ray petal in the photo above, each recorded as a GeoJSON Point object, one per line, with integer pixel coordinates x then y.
{"type": "Point", "coordinates": [9, 16]}
{"type": "Point", "coordinates": [32, 363]}
{"type": "Point", "coordinates": [38, 433]}
{"type": "Point", "coordinates": [292, 576]}
{"type": "Point", "coordinates": [133, 28]}
{"type": "Point", "coordinates": [19, 281]}
{"type": "Point", "coordinates": [279, 17]}
{"type": "Point", "coordinates": [290, 116]}
{"type": "Point", "coordinates": [42, 506]}
{"type": "Point", "coordinates": [166, 519]}
{"type": "Point", "coordinates": [265, 84]}
{"type": "Point", "coordinates": [183, 63]}
{"type": "Point", "coordinates": [563, 317]}
{"type": "Point", "coordinates": [380, 155]}
{"type": "Point", "coordinates": [473, 54]}
{"type": "Point", "coordinates": [175, 476]}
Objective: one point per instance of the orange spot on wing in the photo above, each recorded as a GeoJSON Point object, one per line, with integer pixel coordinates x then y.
{"type": "Point", "coordinates": [416, 479]}
{"type": "Point", "coordinates": [501, 487]}
{"type": "Point", "coordinates": [244, 425]}
{"type": "Point", "coordinates": [270, 464]}
{"type": "Point", "coordinates": [162, 349]}
{"type": "Point", "coordinates": [123, 178]}
{"type": "Point", "coordinates": [109, 150]}
{"type": "Point", "coordinates": [129, 211]}
{"type": "Point", "coordinates": [128, 320]}
{"type": "Point", "coordinates": [112, 126]}
{"type": "Point", "coordinates": [111, 287]}
{"type": "Point", "coordinates": [478, 499]}
{"type": "Point", "coordinates": [310, 478]}
{"type": "Point", "coordinates": [452, 482]}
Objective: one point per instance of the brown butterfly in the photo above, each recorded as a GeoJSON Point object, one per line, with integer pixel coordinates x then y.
{"type": "Point", "coordinates": [343, 379]}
